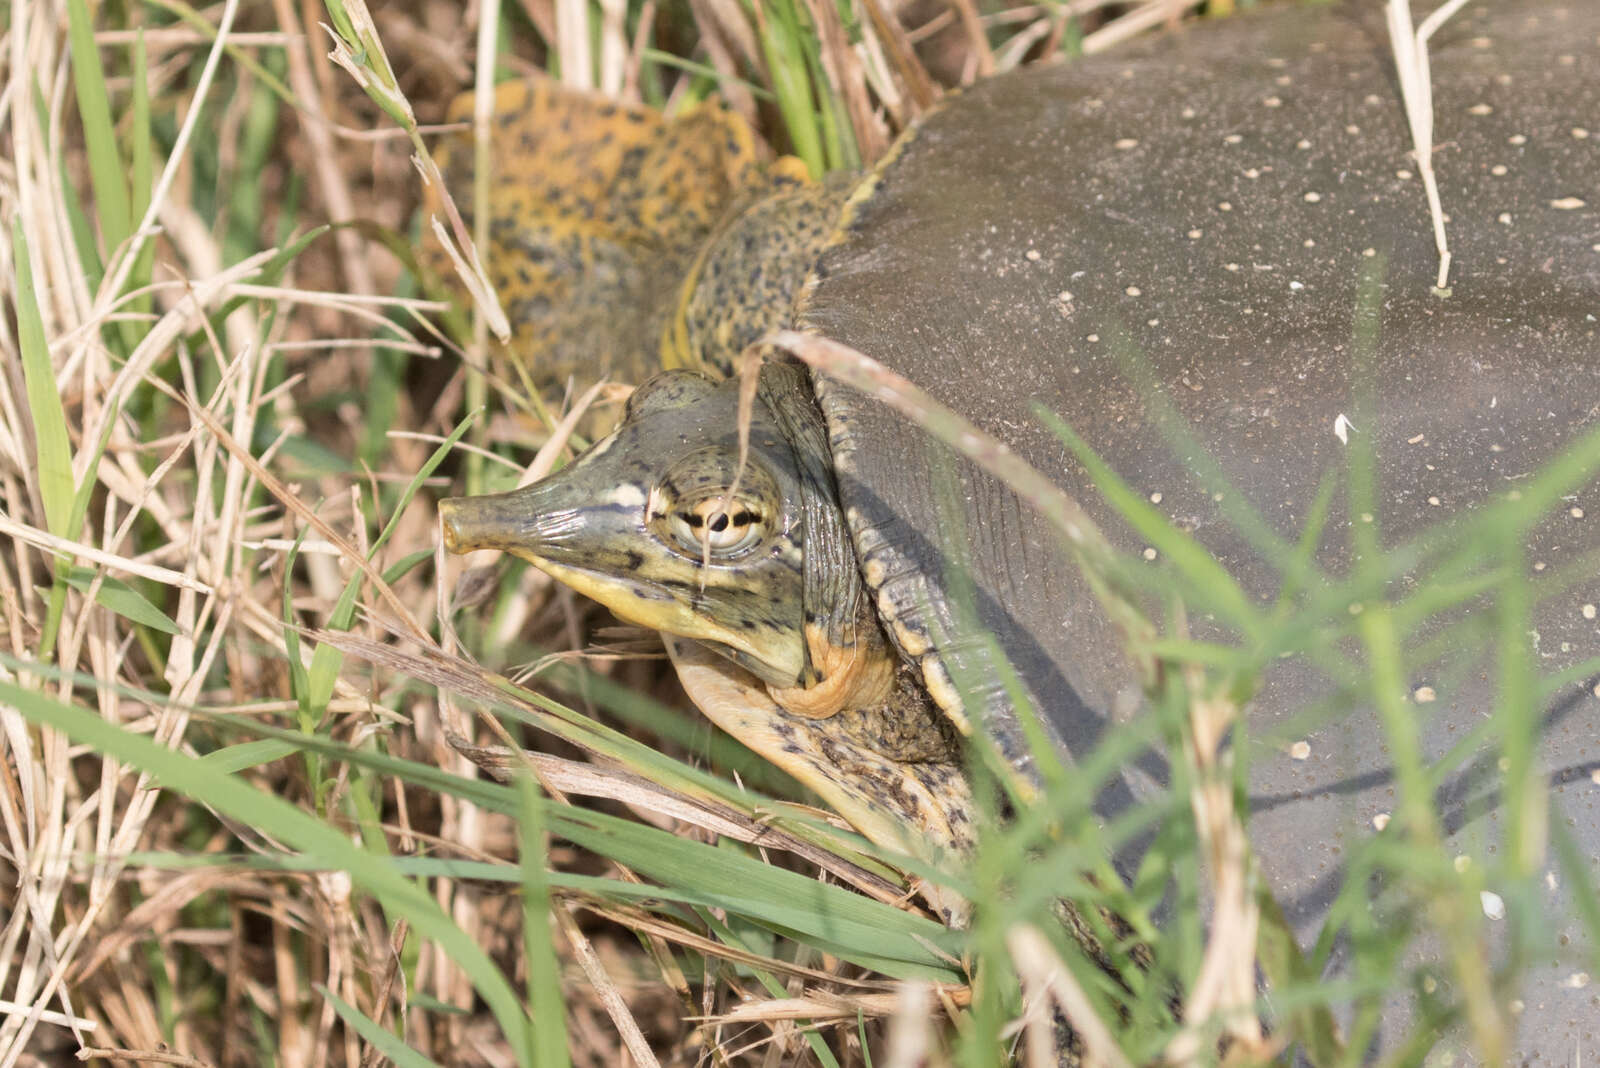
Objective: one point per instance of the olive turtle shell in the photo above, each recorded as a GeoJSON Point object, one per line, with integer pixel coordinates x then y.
{"type": "Point", "coordinates": [1215, 197]}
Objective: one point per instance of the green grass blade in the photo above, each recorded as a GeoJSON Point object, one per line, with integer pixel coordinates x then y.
{"type": "Point", "coordinates": [141, 153]}
{"type": "Point", "coordinates": [141, 148]}
{"type": "Point", "coordinates": [384, 1041]}
{"type": "Point", "coordinates": [236, 758]}
{"type": "Point", "coordinates": [778, 25]}
{"type": "Point", "coordinates": [56, 484]}
{"type": "Point", "coordinates": [811, 911]}
{"type": "Point", "coordinates": [52, 444]}
{"type": "Point", "coordinates": [667, 59]}
{"type": "Point", "coordinates": [117, 596]}
{"type": "Point", "coordinates": [1286, 968]}
{"type": "Point", "coordinates": [84, 240]}
{"type": "Point", "coordinates": [106, 169]}
{"type": "Point", "coordinates": [549, 1032]}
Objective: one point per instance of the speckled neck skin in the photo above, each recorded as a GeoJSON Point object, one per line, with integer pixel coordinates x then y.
{"type": "Point", "coordinates": [744, 283]}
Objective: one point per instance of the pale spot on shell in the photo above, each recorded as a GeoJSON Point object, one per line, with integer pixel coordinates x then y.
{"type": "Point", "coordinates": [1380, 821]}
{"type": "Point", "coordinates": [1313, 198]}
{"type": "Point", "coordinates": [1567, 204]}
{"type": "Point", "coordinates": [1424, 695]}
{"type": "Point", "coordinates": [1300, 750]}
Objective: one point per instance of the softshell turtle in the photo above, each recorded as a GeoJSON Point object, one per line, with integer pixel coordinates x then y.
{"type": "Point", "coordinates": [1214, 198]}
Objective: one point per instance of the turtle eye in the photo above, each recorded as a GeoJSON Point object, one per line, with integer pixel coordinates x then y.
{"type": "Point", "coordinates": [728, 531]}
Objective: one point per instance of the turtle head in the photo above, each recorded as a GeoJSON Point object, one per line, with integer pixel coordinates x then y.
{"type": "Point", "coordinates": [660, 523]}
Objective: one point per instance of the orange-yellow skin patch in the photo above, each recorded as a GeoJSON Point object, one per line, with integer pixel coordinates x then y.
{"type": "Point", "coordinates": [854, 676]}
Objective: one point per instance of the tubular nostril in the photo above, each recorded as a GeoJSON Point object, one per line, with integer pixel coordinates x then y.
{"type": "Point", "coordinates": [470, 523]}
{"type": "Point", "coordinates": [449, 512]}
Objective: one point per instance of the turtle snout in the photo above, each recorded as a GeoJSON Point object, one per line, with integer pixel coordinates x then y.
{"type": "Point", "coordinates": [472, 523]}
